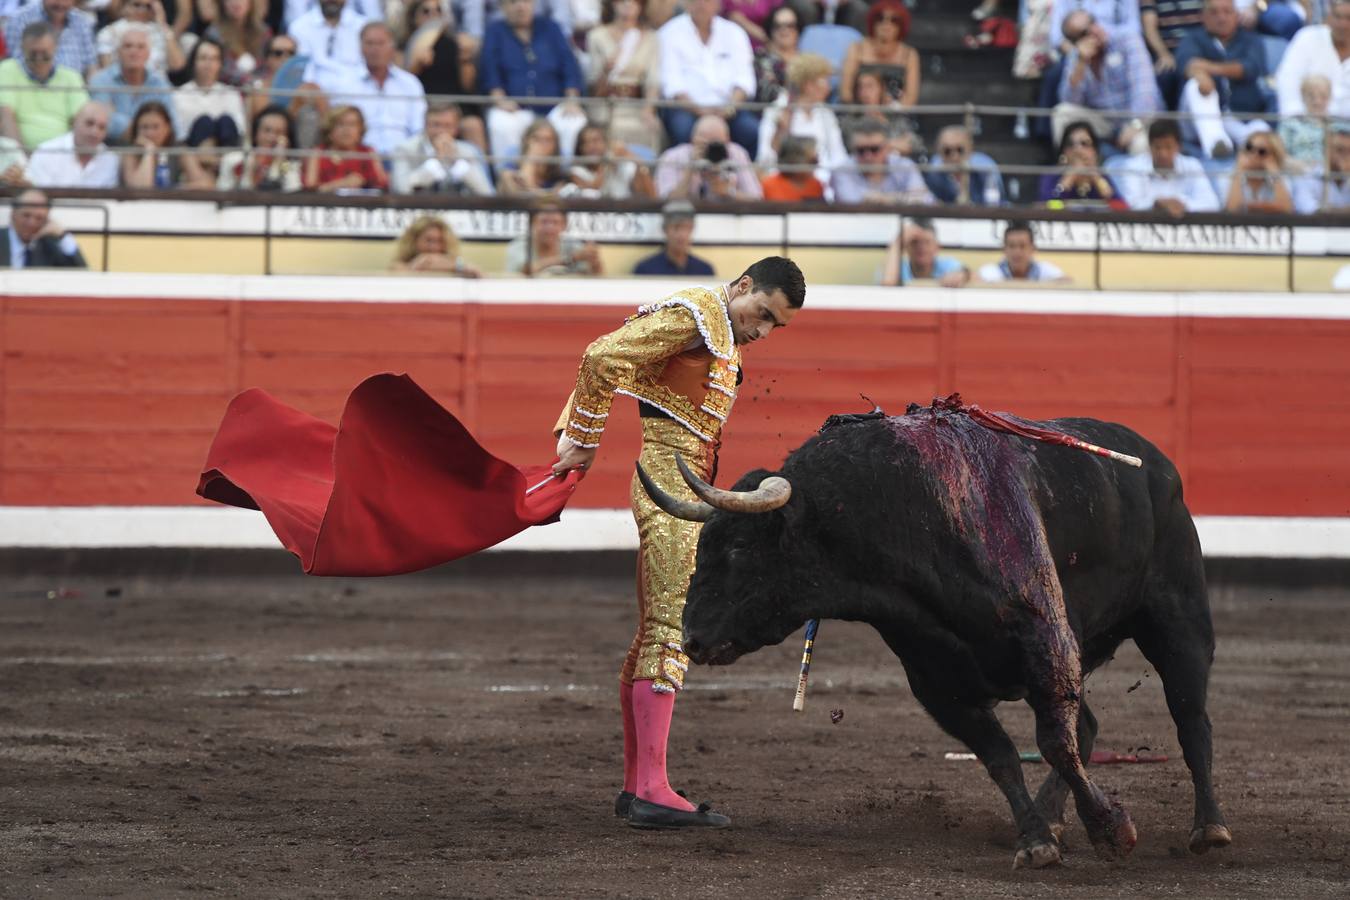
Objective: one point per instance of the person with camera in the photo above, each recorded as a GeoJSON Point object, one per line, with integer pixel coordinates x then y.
{"type": "Point", "coordinates": [709, 167]}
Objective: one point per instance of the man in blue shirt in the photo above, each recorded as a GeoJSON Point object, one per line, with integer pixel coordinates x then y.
{"type": "Point", "coordinates": [128, 83]}
{"type": "Point", "coordinates": [1223, 65]}
{"type": "Point", "coordinates": [525, 55]}
{"type": "Point", "coordinates": [915, 254]}
{"type": "Point", "coordinates": [675, 259]}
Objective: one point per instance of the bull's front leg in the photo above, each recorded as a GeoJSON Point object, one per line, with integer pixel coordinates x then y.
{"type": "Point", "coordinates": [980, 730]}
{"type": "Point", "coordinates": [1054, 676]}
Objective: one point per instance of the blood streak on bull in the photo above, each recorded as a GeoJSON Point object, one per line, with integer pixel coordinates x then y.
{"type": "Point", "coordinates": [953, 541]}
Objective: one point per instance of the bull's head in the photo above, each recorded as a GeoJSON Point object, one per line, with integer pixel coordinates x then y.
{"type": "Point", "coordinates": [745, 568]}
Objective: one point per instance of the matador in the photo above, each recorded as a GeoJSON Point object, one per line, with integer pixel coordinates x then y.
{"type": "Point", "coordinates": [680, 358]}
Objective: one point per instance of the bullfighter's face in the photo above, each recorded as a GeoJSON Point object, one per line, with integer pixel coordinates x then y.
{"type": "Point", "coordinates": [755, 313]}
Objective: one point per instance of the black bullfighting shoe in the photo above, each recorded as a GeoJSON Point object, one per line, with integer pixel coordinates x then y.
{"type": "Point", "coordinates": [645, 814]}
{"type": "Point", "coordinates": [622, 802]}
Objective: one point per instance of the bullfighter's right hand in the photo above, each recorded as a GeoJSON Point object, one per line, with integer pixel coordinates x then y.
{"type": "Point", "coordinates": [570, 456]}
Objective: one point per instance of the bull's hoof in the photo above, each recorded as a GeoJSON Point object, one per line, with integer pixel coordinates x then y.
{"type": "Point", "coordinates": [1037, 856]}
{"type": "Point", "coordinates": [1202, 839]}
{"type": "Point", "coordinates": [1057, 830]}
{"type": "Point", "coordinates": [1117, 839]}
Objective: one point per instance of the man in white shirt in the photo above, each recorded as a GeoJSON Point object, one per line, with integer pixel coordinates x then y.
{"type": "Point", "coordinates": [78, 158]}
{"type": "Point", "coordinates": [708, 68]}
{"type": "Point", "coordinates": [436, 161]}
{"type": "Point", "coordinates": [1318, 50]}
{"type": "Point", "coordinates": [296, 9]}
{"type": "Point", "coordinates": [1019, 261]}
{"type": "Point", "coordinates": [391, 100]}
{"type": "Point", "coordinates": [1166, 179]}
{"type": "Point", "coordinates": [330, 35]}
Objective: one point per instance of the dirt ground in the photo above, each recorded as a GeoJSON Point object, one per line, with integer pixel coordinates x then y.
{"type": "Point", "coordinates": [459, 736]}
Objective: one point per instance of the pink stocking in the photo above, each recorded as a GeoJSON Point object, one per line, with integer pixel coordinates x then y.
{"type": "Point", "coordinates": [651, 716]}
{"type": "Point", "coordinates": [630, 765]}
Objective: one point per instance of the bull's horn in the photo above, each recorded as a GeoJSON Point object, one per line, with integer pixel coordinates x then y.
{"type": "Point", "coordinates": [688, 510]}
{"type": "Point", "coordinates": [772, 492]}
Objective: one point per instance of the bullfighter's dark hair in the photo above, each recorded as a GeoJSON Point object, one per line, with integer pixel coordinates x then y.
{"type": "Point", "coordinates": [778, 273]}
{"type": "Point", "coordinates": [1022, 225]}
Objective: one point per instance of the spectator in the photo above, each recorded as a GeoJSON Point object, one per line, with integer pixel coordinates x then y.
{"type": "Point", "coordinates": [525, 55]}
{"type": "Point", "coordinates": [539, 169]}
{"type": "Point", "coordinates": [852, 13]}
{"type": "Point", "coordinates": [1019, 261]}
{"type": "Point", "coordinates": [1166, 179]}
{"type": "Point", "coordinates": [32, 240]}
{"type": "Point", "coordinates": [1165, 23]}
{"type": "Point", "coordinates": [546, 252]}
{"type": "Point", "coordinates": [1114, 15]}
{"type": "Point", "coordinates": [1222, 67]}
{"type": "Point", "coordinates": [1318, 50]}
{"type": "Point", "coordinates": [13, 163]}
{"type": "Point", "coordinates": [795, 180]}
{"type": "Point", "coordinates": [625, 63]}
{"type": "Point", "coordinates": [771, 60]}
{"type": "Point", "coordinates": [709, 167]}
{"type": "Point", "coordinates": [804, 112]}
{"type": "Point", "coordinates": [265, 165]}
{"type": "Point", "coordinates": [437, 161]}
{"type": "Point", "coordinates": [964, 176]}
{"type": "Point", "coordinates": [295, 10]}
{"type": "Point", "coordinates": [476, 15]}
{"type": "Point", "coordinates": [1328, 191]}
{"type": "Point", "coordinates": [163, 52]}
{"type": "Point", "coordinates": [1305, 135]}
{"type": "Point", "coordinates": [204, 108]}
{"type": "Point", "coordinates": [752, 16]}
{"type": "Point", "coordinates": [877, 175]}
{"type": "Point", "coordinates": [1258, 183]}
{"type": "Point", "coordinates": [129, 82]}
{"type": "Point", "coordinates": [604, 168]}
{"type": "Point", "coordinates": [676, 257]}
{"type": "Point", "coordinates": [153, 164]}
{"type": "Point", "coordinates": [429, 246]}
{"type": "Point", "coordinates": [1106, 72]}
{"type": "Point", "coordinates": [78, 158]}
{"type": "Point", "coordinates": [1081, 184]}
{"type": "Point", "coordinates": [885, 52]}
{"type": "Point", "coordinates": [71, 30]}
{"type": "Point", "coordinates": [390, 99]}
{"type": "Point", "coordinates": [279, 49]}
{"type": "Point", "coordinates": [239, 29]}
{"type": "Point", "coordinates": [915, 253]}
{"type": "Point", "coordinates": [38, 97]}
{"type": "Point", "coordinates": [869, 91]}
{"type": "Point", "coordinates": [444, 61]}
{"type": "Point", "coordinates": [707, 68]}
{"type": "Point", "coordinates": [330, 35]}
{"type": "Point", "coordinates": [349, 164]}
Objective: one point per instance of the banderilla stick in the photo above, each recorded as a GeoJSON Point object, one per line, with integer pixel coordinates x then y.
{"type": "Point", "coordinates": [799, 702]}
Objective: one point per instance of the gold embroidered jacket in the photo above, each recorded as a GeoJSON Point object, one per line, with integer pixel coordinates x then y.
{"type": "Point", "coordinates": [678, 354]}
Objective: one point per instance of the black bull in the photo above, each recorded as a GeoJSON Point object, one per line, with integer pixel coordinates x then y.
{"type": "Point", "coordinates": [996, 568]}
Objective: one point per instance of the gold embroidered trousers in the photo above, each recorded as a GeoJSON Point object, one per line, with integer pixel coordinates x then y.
{"type": "Point", "coordinates": [665, 555]}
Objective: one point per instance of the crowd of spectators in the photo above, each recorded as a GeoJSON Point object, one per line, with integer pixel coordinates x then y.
{"type": "Point", "coordinates": [671, 99]}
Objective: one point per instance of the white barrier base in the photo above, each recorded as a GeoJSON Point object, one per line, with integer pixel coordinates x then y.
{"type": "Point", "coordinates": [580, 530]}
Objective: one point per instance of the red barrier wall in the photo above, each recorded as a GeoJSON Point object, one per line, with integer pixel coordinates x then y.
{"type": "Point", "coordinates": [114, 401]}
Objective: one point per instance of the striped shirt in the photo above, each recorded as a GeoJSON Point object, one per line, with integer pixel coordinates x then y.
{"type": "Point", "coordinates": [1175, 17]}
{"type": "Point", "coordinates": [74, 43]}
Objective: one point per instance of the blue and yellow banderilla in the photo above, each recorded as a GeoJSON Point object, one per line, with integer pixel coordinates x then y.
{"type": "Point", "coordinates": [799, 702]}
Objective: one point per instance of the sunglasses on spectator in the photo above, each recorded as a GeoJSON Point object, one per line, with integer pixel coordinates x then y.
{"type": "Point", "coordinates": [1258, 149]}
{"type": "Point", "coordinates": [281, 51]}
{"type": "Point", "coordinates": [38, 56]}
{"type": "Point", "coordinates": [957, 150]}
{"type": "Point", "coordinates": [867, 149]}
{"type": "Point", "coordinates": [430, 9]}
{"type": "Point", "coordinates": [140, 5]}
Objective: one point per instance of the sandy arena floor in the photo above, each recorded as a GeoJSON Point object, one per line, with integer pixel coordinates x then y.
{"type": "Point", "coordinates": [457, 736]}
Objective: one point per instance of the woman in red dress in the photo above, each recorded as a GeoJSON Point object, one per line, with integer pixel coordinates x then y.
{"type": "Point", "coordinates": [334, 169]}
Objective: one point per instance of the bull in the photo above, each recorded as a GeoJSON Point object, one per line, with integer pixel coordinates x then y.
{"type": "Point", "coordinates": [996, 568]}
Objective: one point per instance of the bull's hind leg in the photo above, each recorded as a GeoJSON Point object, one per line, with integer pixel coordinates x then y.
{"type": "Point", "coordinates": [979, 729]}
{"type": "Point", "coordinates": [1055, 790]}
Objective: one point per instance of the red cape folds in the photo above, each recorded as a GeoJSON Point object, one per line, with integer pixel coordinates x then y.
{"type": "Point", "coordinates": [399, 485]}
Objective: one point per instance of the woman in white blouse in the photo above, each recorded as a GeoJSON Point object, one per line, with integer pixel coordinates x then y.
{"type": "Point", "coordinates": [803, 111]}
{"type": "Point", "coordinates": [625, 63]}
{"type": "Point", "coordinates": [206, 109]}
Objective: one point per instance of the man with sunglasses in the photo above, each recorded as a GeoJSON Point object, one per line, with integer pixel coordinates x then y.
{"type": "Point", "coordinates": [72, 32]}
{"type": "Point", "coordinates": [38, 98]}
{"type": "Point", "coordinates": [1106, 72]}
{"type": "Point", "coordinates": [877, 175]}
{"type": "Point", "coordinates": [962, 175]}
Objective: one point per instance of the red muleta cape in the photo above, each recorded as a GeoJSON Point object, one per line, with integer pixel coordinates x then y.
{"type": "Point", "coordinates": [399, 485]}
